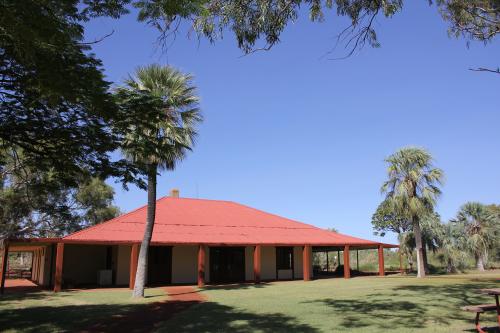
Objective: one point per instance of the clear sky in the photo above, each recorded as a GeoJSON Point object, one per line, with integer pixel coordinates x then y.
{"type": "Point", "coordinates": [292, 133]}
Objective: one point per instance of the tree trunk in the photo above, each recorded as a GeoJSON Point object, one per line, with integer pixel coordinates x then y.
{"type": "Point", "coordinates": [142, 262]}
{"type": "Point", "coordinates": [450, 267]}
{"type": "Point", "coordinates": [424, 257]}
{"type": "Point", "coordinates": [480, 262]}
{"type": "Point", "coordinates": [410, 261]}
{"type": "Point", "coordinates": [420, 253]}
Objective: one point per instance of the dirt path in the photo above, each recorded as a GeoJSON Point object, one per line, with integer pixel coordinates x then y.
{"type": "Point", "coordinates": [150, 316]}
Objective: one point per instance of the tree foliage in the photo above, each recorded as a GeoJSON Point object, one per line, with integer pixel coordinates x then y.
{"type": "Point", "coordinates": [263, 20]}
{"type": "Point", "coordinates": [386, 219]}
{"type": "Point", "coordinates": [479, 231]}
{"type": "Point", "coordinates": [473, 19]}
{"type": "Point", "coordinates": [451, 253]}
{"type": "Point", "coordinates": [54, 102]}
{"type": "Point", "coordinates": [34, 203]}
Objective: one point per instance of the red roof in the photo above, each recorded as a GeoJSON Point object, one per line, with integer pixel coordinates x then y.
{"type": "Point", "coordinates": [197, 221]}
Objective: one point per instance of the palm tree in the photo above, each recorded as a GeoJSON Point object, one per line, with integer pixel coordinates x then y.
{"type": "Point", "coordinates": [160, 108]}
{"type": "Point", "coordinates": [412, 189]}
{"type": "Point", "coordinates": [450, 252]}
{"type": "Point", "coordinates": [479, 229]}
{"type": "Point", "coordinates": [431, 229]}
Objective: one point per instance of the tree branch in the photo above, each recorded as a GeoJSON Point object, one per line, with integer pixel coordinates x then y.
{"type": "Point", "coordinates": [96, 41]}
{"type": "Point", "coordinates": [482, 69]}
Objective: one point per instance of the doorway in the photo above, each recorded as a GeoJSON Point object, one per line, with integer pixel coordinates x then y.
{"type": "Point", "coordinates": [160, 265]}
{"type": "Point", "coordinates": [227, 264]}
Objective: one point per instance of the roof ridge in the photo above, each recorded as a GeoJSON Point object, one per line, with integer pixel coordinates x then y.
{"type": "Point", "coordinates": [199, 199]}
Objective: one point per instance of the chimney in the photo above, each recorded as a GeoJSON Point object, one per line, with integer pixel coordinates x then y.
{"type": "Point", "coordinates": [174, 193]}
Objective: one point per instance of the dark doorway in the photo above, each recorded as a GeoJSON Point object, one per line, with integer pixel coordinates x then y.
{"type": "Point", "coordinates": [160, 265]}
{"type": "Point", "coordinates": [227, 264]}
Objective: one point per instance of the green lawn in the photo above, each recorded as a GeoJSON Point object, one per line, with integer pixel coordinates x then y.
{"type": "Point", "coordinates": [69, 311]}
{"type": "Point", "coordinates": [363, 304]}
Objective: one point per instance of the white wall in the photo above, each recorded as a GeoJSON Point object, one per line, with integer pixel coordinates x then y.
{"type": "Point", "coordinates": [123, 265]}
{"type": "Point", "coordinates": [268, 263]}
{"type": "Point", "coordinates": [297, 261]}
{"type": "Point", "coordinates": [44, 279]}
{"type": "Point", "coordinates": [185, 264]}
{"type": "Point", "coordinates": [40, 273]}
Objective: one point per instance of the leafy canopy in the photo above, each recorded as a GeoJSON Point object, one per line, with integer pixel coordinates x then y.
{"type": "Point", "coordinates": [55, 105]}
{"type": "Point", "coordinates": [254, 21]}
{"type": "Point", "coordinates": [34, 203]}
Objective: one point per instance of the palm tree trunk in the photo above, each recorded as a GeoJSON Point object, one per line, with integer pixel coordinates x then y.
{"type": "Point", "coordinates": [420, 253]}
{"type": "Point", "coordinates": [424, 257]}
{"type": "Point", "coordinates": [142, 263]}
{"type": "Point", "coordinates": [410, 261]}
{"type": "Point", "coordinates": [480, 262]}
{"type": "Point", "coordinates": [450, 267]}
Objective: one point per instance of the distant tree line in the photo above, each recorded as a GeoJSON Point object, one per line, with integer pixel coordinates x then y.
{"type": "Point", "coordinates": [408, 211]}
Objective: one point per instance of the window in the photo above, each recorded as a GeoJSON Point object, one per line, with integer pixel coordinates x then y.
{"type": "Point", "coordinates": [284, 258]}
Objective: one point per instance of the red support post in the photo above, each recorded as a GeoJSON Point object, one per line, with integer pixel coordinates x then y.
{"type": "Point", "coordinates": [134, 257]}
{"type": "Point", "coordinates": [256, 263]}
{"type": "Point", "coordinates": [381, 270]}
{"type": "Point", "coordinates": [59, 267]}
{"type": "Point", "coordinates": [306, 265]}
{"type": "Point", "coordinates": [5, 260]}
{"type": "Point", "coordinates": [201, 266]}
{"type": "Point", "coordinates": [347, 267]}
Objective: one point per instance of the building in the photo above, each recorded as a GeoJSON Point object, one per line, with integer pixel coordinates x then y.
{"type": "Point", "coordinates": [194, 241]}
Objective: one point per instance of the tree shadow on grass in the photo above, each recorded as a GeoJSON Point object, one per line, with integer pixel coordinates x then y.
{"type": "Point", "coordinates": [137, 318]}
{"type": "Point", "coordinates": [91, 318]}
{"type": "Point", "coordinates": [60, 318]}
{"type": "Point", "coordinates": [215, 317]}
{"type": "Point", "coordinates": [19, 295]}
{"type": "Point", "coordinates": [383, 314]}
{"type": "Point", "coordinates": [456, 295]}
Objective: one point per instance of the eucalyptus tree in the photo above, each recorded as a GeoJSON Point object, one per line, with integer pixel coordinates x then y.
{"type": "Point", "coordinates": [479, 231]}
{"type": "Point", "coordinates": [39, 204]}
{"type": "Point", "coordinates": [160, 114]}
{"type": "Point", "coordinates": [412, 189]}
{"type": "Point", "coordinates": [387, 219]}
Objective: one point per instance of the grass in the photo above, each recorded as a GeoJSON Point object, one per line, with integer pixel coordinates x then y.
{"type": "Point", "coordinates": [363, 304]}
{"type": "Point", "coordinates": [44, 311]}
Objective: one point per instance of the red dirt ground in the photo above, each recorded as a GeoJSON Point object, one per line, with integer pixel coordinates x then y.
{"type": "Point", "coordinates": [19, 285]}
{"type": "Point", "coordinates": [144, 319]}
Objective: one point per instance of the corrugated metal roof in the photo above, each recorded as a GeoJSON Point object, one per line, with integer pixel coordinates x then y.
{"type": "Point", "coordinates": [194, 221]}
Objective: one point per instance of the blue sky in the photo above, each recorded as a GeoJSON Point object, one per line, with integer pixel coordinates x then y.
{"type": "Point", "coordinates": [290, 132]}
